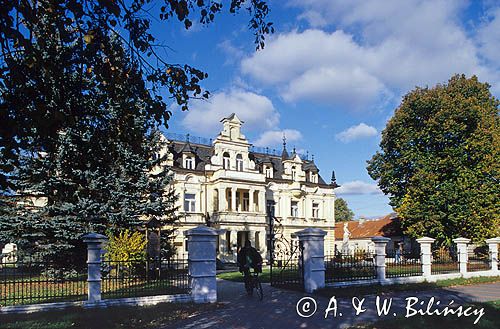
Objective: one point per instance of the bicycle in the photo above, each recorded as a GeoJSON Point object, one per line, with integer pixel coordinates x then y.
{"type": "Point", "coordinates": [254, 283]}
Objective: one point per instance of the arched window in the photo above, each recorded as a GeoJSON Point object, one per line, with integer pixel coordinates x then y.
{"type": "Point", "coordinates": [294, 172]}
{"type": "Point", "coordinates": [239, 162]}
{"type": "Point", "coordinates": [189, 162]}
{"type": "Point", "coordinates": [225, 160]}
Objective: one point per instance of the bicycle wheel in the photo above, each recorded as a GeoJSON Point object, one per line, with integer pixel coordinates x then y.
{"type": "Point", "coordinates": [258, 287]}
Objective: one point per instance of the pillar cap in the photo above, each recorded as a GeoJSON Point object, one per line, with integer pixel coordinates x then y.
{"type": "Point", "coordinates": [461, 240]}
{"type": "Point", "coordinates": [380, 239]}
{"type": "Point", "coordinates": [425, 239]}
{"type": "Point", "coordinates": [310, 231]}
{"type": "Point", "coordinates": [201, 230]}
{"type": "Point", "coordinates": [94, 237]}
{"type": "Point", "coordinates": [493, 240]}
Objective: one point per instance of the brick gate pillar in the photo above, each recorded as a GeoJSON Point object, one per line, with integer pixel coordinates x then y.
{"type": "Point", "coordinates": [94, 243]}
{"type": "Point", "coordinates": [462, 253]}
{"type": "Point", "coordinates": [380, 244]}
{"type": "Point", "coordinates": [426, 255]}
{"type": "Point", "coordinates": [493, 247]}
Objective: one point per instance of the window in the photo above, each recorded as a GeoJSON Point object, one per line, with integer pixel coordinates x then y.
{"type": "Point", "coordinates": [189, 202]}
{"type": "Point", "coordinates": [313, 177]}
{"type": "Point", "coordinates": [225, 160]}
{"type": "Point", "coordinates": [315, 209]}
{"type": "Point", "coordinates": [269, 172]}
{"type": "Point", "coordinates": [239, 162]}
{"type": "Point", "coordinates": [295, 209]}
{"type": "Point", "coordinates": [246, 201]}
{"type": "Point", "coordinates": [189, 162]}
{"type": "Point", "coordinates": [294, 172]}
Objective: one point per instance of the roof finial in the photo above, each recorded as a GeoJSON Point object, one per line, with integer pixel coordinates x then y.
{"type": "Point", "coordinates": [284, 141]}
{"type": "Point", "coordinates": [312, 157]}
{"type": "Point", "coordinates": [187, 138]}
{"type": "Point", "coordinates": [307, 155]}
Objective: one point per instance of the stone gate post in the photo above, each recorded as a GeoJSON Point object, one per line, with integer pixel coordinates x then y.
{"type": "Point", "coordinates": [493, 247]}
{"type": "Point", "coordinates": [202, 242]}
{"type": "Point", "coordinates": [462, 253]}
{"type": "Point", "coordinates": [313, 242]}
{"type": "Point", "coordinates": [426, 255]}
{"type": "Point", "coordinates": [94, 243]}
{"type": "Point", "coordinates": [380, 244]}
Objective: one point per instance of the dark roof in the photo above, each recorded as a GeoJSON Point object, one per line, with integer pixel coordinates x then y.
{"type": "Point", "coordinates": [203, 153]}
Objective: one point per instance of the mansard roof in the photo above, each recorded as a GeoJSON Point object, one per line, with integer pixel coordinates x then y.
{"type": "Point", "coordinates": [203, 153]}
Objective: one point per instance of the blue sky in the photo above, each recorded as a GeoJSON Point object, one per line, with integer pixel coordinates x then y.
{"type": "Point", "coordinates": [332, 74]}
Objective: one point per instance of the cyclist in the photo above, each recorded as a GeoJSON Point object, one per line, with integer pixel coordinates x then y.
{"type": "Point", "coordinates": [249, 257]}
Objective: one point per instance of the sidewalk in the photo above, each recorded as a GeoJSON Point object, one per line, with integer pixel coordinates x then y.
{"type": "Point", "coordinates": [278, 309]}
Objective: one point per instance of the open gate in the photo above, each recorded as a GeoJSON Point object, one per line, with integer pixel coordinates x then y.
{"type": "Point", "coordinates": [285, 253]}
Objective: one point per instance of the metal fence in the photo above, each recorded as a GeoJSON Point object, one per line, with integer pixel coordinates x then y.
{"type": "Point", "coordinates": [402, 264]}
{"type": "Point", "coordinates": [136, 278]}
{"type": "Point", "coordinates": [26, 280]}
{"type": "Point", "coordinates": [445, 260]}
{"type": "Point", "coordinates": [287, 267]}
{"type": "Point", "coordinates": [478, 260]}
{"type": "Point", "coordinates": [359, 265]}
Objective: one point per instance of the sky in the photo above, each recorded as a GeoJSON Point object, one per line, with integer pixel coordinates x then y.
{"type": "Point", "coordinates": [331, 75]}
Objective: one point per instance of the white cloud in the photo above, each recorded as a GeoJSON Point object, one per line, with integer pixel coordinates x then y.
{"type": "Point", "coordinates": [233, 53]}
{"type": "Point", "coordinates": [275, 137]}
{"type": "Point", "coordinates": [255, 110]}
{"type": "Point", "coordinates": [356, 132]}
{"type": "Point", "coordinates": [357, 187]}
{"type": "Point", "coordinates": [380, 50]}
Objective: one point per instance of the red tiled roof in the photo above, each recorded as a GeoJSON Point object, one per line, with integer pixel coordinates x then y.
{"type": "Point", "coordinates": [386, 226]}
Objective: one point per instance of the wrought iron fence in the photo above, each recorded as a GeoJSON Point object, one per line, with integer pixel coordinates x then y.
{"type": "Point", "coordinates": [445, 260]}
{"type": "Point", "coordinates": [359, 265]}
{"type": "Point", "coordinates": [402, 264]}
{"type": "Point", "coordinates": [287, 267]}
{"type": "Point", "coordinates": [478, 260]}
{"type": "Point", "coordinates": [136, 278]}
{"type": "Point", "coordinates": [27, 280]}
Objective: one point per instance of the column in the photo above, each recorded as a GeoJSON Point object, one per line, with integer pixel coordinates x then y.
{"type": "Point", "coordinates": [462, 253]}
{"type": "Point", "coordinates": [425, 255]}
{"type": "Point", "coordinates": [222, 199]}
{"type": "Point", "coordinates": [262, 242]}
{"type": "Point", "coordinates": [380, 244]}
{"type": "Point", "coordinates": [94, 243]}
{"type": "Point", "coordinates": [262, 200]}
{"type": "Point", "coordinates": [250, 200]}
{"type": "Point", "coordinates": [493, 246]}
{"type": "Point", "coordinates": [251, 237]}
{"type": "Point", "coordinates": [313, 253]}
{"type": "Point", "coordinates": [201, 259]}
{"type": "Point", "coordinates": [222, 242]}
{"type": "Point", "coordinates": [233, 198]}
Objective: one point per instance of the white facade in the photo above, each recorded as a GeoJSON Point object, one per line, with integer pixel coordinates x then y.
{"type": "Point", "coordinates": [228, 186]}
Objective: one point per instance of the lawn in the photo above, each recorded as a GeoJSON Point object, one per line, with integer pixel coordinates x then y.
{"type": "Point", "coordinates": [490, 320]}
{"type": "Point", "coordinates": [265, 276]}
{"type": "Point", "coordinates": [379, 290]}
{"type": "Point", "coordinates": [110, 318]}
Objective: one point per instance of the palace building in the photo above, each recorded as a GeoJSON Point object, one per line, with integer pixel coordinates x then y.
{"type": "Point", "coordinates": [227, 185]}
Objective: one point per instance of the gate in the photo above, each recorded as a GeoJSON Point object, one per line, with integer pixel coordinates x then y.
{"type": "Point", "coordinates": [286, 259]}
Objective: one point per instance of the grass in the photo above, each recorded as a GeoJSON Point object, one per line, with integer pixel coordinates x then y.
{"type": "Point", "coordinates": [490, 320]}
{"type": "Point", "coordinates": [265, 276]}
{"type": "Point", "coordinates": [110, 318]}
{"type": "Point", "coordinates": [380, 290]}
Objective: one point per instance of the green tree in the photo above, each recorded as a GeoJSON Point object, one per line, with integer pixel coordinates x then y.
{"type": "Point", "coordinates": [342, 211]}
{"type": "Point", "coordinates": [439, 161]}
{"type": "Point", "coordinates": [82, 99]}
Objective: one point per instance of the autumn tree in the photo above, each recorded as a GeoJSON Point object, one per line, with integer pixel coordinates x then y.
{"type": "Point", "coordinates": [440, 161]}
{"type": "Point", "coordinates": [342, 211]}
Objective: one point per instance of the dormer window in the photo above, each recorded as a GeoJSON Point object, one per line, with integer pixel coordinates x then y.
{"type": "Point", "coordinates": [239, 162]}
{"type": "Point", "coordinates": [225, 160]}
{"type": "Point", "coordinates": [313, 177]}
{"type": "Point", "coordinates": [268, 171]}
{"type": "Point", "coordinates": [294, 173]}
{"type": "Point", "coordinates": [189, 162]}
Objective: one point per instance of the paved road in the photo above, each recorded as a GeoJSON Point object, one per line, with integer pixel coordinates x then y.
{"type": "Point", "coordinates": [278, 310]}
